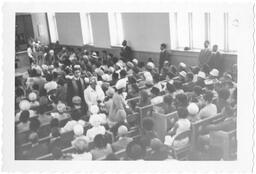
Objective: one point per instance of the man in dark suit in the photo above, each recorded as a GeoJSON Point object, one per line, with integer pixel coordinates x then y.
{"type": "Point", "coordinates": [126, 52]}
{"type": "Point", "coordinates": [216, 59]}
{"type": "Point", "coordinates": [164, 56]}
{"type": "Point", "coordinates": [205, 55]}
{"type": "Point", "coordinates": [76, 86]}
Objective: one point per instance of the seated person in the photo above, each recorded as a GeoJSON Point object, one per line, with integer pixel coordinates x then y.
{"type": "Point", "coordinates": [82, 150]}
{"type": "Point", "coordinates": [181, 125]}
{"type": "Point", "coordinates": [144, 99]}
{"type": "Point", "coordinates": [60, 114]}
{"type": "Point", "coordinates": [96, 129]}
{"type": "Point", "coordinates": [181, 100]}
{"type": "Point", "coordinates": [135, 151]}
{"type": "Point", "coordinates": [167, 105]}
{"type": "Point", "coordinates": [148, 132]}
{"type": "Point", "coordinates": [156, 98]}
{"type": "Point", "coordinates": [55, 129]}
{"type": "Point", "coordinates": [24, 123]}
{"type": "Point", "coordinates": [102, 148]}
{"type": "Point", "coordinates": [33, 100]}
{"type": "Point", "coordinates": [210, 109]}
{"type": "Point", "coordinates": [159, 151]}
{"type": "Point", "coordinates": [123, 140]}
{"type": "Point", "coordinates": [189, 85]}
{"type": "Point", "coordinates": [193, 110]}
{"type": "Point", "coordinates": [76, 119]}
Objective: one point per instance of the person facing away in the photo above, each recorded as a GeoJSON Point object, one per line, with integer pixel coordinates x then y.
{"type": "Point", "coordinates": [164, 56]}
{"type": "Point", "coordinates": [216, 59]}
{"type": "Point", "coordinates": [205, 54]}
{"type": "Point", "coordinates": [126, 52]}
{"type": "Point", "coordinates": [123, 140]}
{"type": "Point", "coordinates": [210, 109]}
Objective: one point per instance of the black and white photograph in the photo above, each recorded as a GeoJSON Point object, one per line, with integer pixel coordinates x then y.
{"type": "Point", "coordinates": [93, 84]}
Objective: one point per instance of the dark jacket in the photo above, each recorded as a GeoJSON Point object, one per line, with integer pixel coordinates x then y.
{"type": "Point", "coordinates": [204, 57]}
{"type": "Point", "coordinates": [164, 55]}
{"type": "Point", "coordinates": [126, 53]}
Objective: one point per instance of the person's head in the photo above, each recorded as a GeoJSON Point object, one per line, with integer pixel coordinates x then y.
{"type": "Point", "coordinates": [122, 131]}
{"type": "Point", "coordinates": [156, 144]}
{"type": "Point", "coordinates": [51, 52]}
{"type": "Point", "coordinates": [208, 96]}
{"type": "Point", "coordinates": [78, 130]}
{"type": "Point", "coordinates": [49, 77]}
{"type": "Point", "coordinates": [135, 150]}
{"type": "Point", "coordinates": [148, 124]}
{"type": "Point", "coordinates": [76, 100]}
{"type": "Point", "coordinates": [124, 43]}
{"type": "Point", "coordinates": [190, 77]}
{"type": "Point", "coordinates": [206, 44]}
{"type": "Point", "coordinates": [100, 141]}
{"type": "Point", "coordinates": [24, 116]}
{"type": "Point", "coordinates": [182, 112]}
{"type": "Point", "coordinates": [110, 92]}
{"type": "Point", "coordinates": [170, 88]}
{"type": "Point", "coordinates": [198, 90]}
{"type": "Point", "coordinates": [155, 91]}
{"type": "Point", "coordinates": [76, 115]}
{"type": "Point", "coordinates": [93, 82]}
{"type": "Point", "coordinates": [206, 69]}
{"type": "Point", "coordinates": [33, 138]}
{"type": "Point", "coordinates": [34, 124]}
{"type": "Point", "coordinates": [224, 94]}
{"type": "Point", "coordinates": [32, 96]}
{"type": "Point", "coordinates": [144, 96]}
{"type": "Point", "coordinates": [168, 100]}
{"type": "Point", "coordinates": [115, 76]}
{"type": "Point", "coordinates": [123, 73]}
{"type": "Point", "coordinates": [181, 100]}
{"type": "Point", "coordinates": [163, 46]}
{"type": "Point", "coordinates": [215, 48]}
{"type": "Point", "coordinates": [54, 123]}
{"type": "Point", "coordinates": [81, 146]}
{"type": "Point", "coordinates": [193, 109]}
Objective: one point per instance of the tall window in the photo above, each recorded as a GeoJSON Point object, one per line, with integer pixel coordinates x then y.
{"type": "Point", "coordinates": [192, 29]}
{"type": "Point", "coordinates": [86, 28]}
{"type": "Point", "coordinates": [52, 27]}
{"type": "Point", "coordinates": [115, 28]}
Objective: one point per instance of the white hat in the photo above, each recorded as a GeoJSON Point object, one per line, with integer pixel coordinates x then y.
{"type": "Point", "coordinates": [95, 120]}
{"type": "Point", "coordinates": [44, 67]}
{"type": "Point", "coordinates": [201, 74]}
{"type": "Point", "coordinates": [94, 109]}
{"type": "Point", "coordinates": [183, 74]}
{"type": "Point", "coordinates": [32, 96]}
{"type": "Point", "coordinates": [61, 107]}
{"type": "Point", "coordinates": [208, 82]}
{"type": "Point", "coordinates": [94, 54]}
{"type": "Point", "coordinates": [111, 69]}
{"type": "Point", "coordinates": [87, 80]}
{"type": "Point", "coordinates": [192, 109]}
{"type": "Point", "coordinates": [24, 105]}
{"type": "Point", "coordinates": [121, 84]}
{"type": "Point", "coordinates": [51, 51]}
{"type": "Point", "coordinates": [78, 130]}
{"type": "Point", "coordinates": [182, 65]}
{"type": "Point", "coordinates": [150, 65]}
{"type": "Point", "coordinates": [135, 61]}
{"type": "Point", "coordinates": [122, 130]}
{"type": "Point", "coordinates": [214, 72]}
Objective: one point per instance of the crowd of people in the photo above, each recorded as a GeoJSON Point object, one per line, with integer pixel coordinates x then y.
{"type": "Point", "coordinates": [91, 89]}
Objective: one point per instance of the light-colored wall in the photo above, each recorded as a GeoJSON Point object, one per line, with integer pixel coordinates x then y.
{"type": "Point", "coordinates": [69, 29]}
{"type": "Point", "coordinates": [146, 31]}
{"type": "Point", "coordinates": [100, 30]}
{"type": "Point", "coordinates": [40, 27]}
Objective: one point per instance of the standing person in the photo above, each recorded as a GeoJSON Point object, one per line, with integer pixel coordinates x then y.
{"type": "Point", "coordinates": [76, 86]}
{"type": "Point", "coordinates": [216, 59]}
{"type": "Point", "coordinates": [126, 52]}
{"type": "Point", "coordinates": [205, 54]}
{"type": "Point", "coordinates": [30, 55]}
{"type": "Point", "coordinates": [164, 56]}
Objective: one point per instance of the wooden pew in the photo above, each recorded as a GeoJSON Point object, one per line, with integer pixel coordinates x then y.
{"type": "Point", "coordinates": [163, 122]}
{"type": "Point", "coordinates": [197, 128]}
{"type": "Point", "coordinates": [227, 141]}
{"type": "Point", "coordinates": [145, 111]}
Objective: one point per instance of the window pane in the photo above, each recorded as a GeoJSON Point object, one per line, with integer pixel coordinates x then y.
{"type": "Point", "coordinates": [86, 28]}
{"type": "Point", "coordinates": [198, 30]}
{"type": "Point", "coordinates": [217, 29]}
{"type": "Point", "coordinates": [183, 30]}
{"type": "Point", "coordinates": [52, 27]}
{"type": "Point", "coordinates": [115, 28]}
{"type": "Point", "coordinates": [233, 24]}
